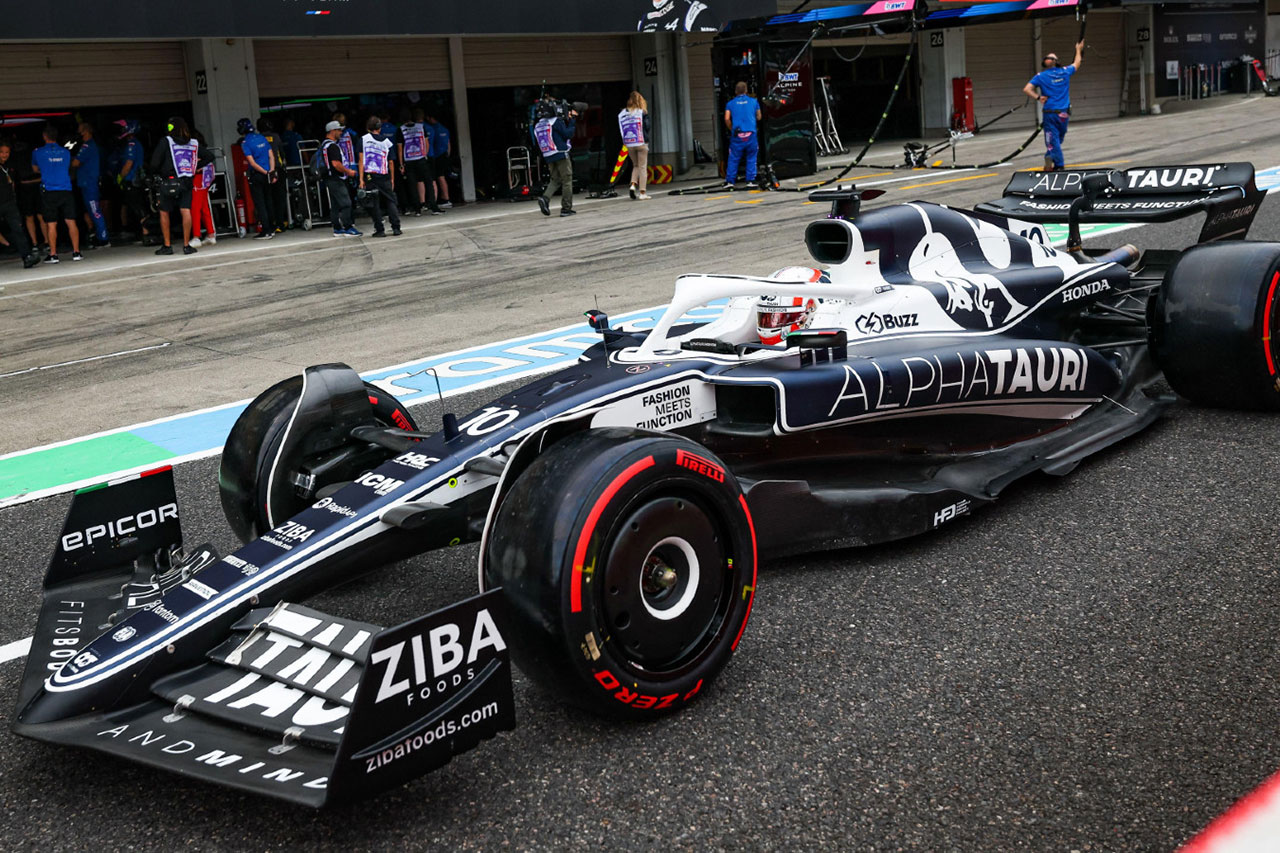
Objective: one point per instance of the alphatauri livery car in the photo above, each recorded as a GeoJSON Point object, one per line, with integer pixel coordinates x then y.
{"type": "Point", "coordinates": [926, 359]}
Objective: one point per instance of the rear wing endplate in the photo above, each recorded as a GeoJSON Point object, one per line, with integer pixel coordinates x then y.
{"type": "Point", "coordinates": [1226, 192]}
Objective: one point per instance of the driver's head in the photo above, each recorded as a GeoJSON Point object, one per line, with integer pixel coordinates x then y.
{"type": "Point", "coordinates": [1050, 60]}
{"type": "Point", "coordinates": [778, 315]}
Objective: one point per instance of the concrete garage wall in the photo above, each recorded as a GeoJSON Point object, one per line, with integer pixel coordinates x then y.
{"type": "Point", "coordinates": [231, 87]}
{"type": "Point", "coordinates": [527, 61]}
{"type": "Point", "coordinates": [1000, 58]}
{"type": "Point", "coordinates": [307, 67]}
{"type": "Point", "coordinates": [50, 76]}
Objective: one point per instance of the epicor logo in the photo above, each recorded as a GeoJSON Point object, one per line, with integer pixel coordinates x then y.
{"type": "Point", "coordinates": [120, 527]}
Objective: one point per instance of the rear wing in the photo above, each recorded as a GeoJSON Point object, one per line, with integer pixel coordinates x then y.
{"type": "Point", "coordinates": [1225, 192]}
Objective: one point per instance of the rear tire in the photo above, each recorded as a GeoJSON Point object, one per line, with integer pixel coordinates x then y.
{"type": "Point", "coordinates": [628, 562]}
{"type": "Point", "coordinates": [1213, 325]}
{"type": "Point", "coordinates": [252, 444]}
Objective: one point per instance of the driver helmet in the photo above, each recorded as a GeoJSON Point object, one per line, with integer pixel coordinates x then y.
{"type": "Point", "coordinates": [128, 127]}
{"type": "Point", "coordinates": [778, 315]}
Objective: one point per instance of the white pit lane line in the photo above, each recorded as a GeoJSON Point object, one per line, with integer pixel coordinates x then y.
{"type": "Point", "coordinates": [19, 648]}
{"type": "Point", "coordinates": [15, 650]}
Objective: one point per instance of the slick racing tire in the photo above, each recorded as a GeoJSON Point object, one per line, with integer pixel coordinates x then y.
{"type": "Point", "coordinates": [1213, 325]}
{"type": "Point", "coordinates": [253, 443]}
{"type": "Point", "coordinates": [628, 562]}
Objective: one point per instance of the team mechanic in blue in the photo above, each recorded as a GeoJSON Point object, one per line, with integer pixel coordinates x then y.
{"type": "Point", "coordinates": [1054, 82]}
{"type": "Point", "coordinates": [87, 165]}
{"type": "Point", "coordinates": [740, 116]}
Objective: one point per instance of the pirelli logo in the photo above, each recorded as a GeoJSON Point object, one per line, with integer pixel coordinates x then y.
{"type": "Point", "coordinates": [705, 467]}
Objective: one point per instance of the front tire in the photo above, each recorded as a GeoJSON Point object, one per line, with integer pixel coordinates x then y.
{"type": "Point", "coordinates": [1213, 325]}
{"type": "Point", "coordinates": [628, 560]}
{"type": "Point", "coordinates": [253, 443]}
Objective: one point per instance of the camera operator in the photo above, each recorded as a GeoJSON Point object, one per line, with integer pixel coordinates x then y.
{"type": "Point", "coordinates": [174, 160]}
{"type": "Point", "coordinates": [337, 173]}
{"type": "Point", "coordinates": [553, 133]}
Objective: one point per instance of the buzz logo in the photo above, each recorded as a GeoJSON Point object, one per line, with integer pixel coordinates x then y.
{"type": "Point", "coordinates": [124, 634]}
{"type": "Point", "coordinates": [382, 486]}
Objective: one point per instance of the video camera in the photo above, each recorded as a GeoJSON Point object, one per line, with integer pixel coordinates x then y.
{"type": "Point", "coordinates": [549, 107]}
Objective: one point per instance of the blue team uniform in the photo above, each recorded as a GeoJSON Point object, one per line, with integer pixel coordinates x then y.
{"type": "Point", "coordinates": [1055, 85]}
{"type": "Point", "coordinates": [742, 136]}
{"type": "Point", "coordinates": [388, 130]}
{"type": "Point", "coordinates": [255, 145]}
{"type": "Point", "coordinates": [132, 153]}
{"type": "Point", "coordinates": [439, 140]}
{"type": "Point", "coordinates": [54, 163]}
{"type": "Point", "coordinates": [289, 139]}
{"type": "Point", "coordinates": [88, 174]}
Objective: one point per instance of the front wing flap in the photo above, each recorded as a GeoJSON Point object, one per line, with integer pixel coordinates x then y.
{"type": "Point", "coordinates": [312, 708]}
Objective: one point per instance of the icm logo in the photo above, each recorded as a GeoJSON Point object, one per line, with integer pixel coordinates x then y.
{"type": "Point", "coordinates": [120, 527]}
{"type": "Point", "coordinates": [382, 486]}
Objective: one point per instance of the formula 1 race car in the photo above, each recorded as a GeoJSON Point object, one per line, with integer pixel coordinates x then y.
{"type": "Point", "coordinates": [929, 358]}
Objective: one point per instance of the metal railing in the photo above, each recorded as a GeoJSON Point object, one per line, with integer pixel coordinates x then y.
{"type": "Point", "coordinates": [1202, 80]}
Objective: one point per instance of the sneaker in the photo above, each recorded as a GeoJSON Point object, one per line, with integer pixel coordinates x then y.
{"type": "Point", "coordinates": [633, 192]}
{"type": "Point", "coordinates": [378, 233]}
{"type": "Point", "coordinates": [568, 212]}
{"type": "Point", "coordinates": [264, 234]}
{"type": "Point", "coordinates": [643, 196]}
{"type": "Point", "coordinates": [30, 261]}
{"type": "Point", "coordinates": [280, 229]}
{"type": "Point", "coordinates": [396, 232]}
{"type": "Point", "coordinates": [195, 241]}
{"type": "Point", "coordinates": [52, 259]}
{"type": "Point", "coordinates": [340, 232]}
{"type": "Point", "coordinates": [728, 185]}
{"type": "Point", "coordinates": [164, 250]}
{"type": "Point", "coordinates": [446, 204]}
{"type": "Point", "coordinates": [437, 212]}
{"type": "Point", "coordinates": [352, 232]}
{"type": "Point", "coordinates": [212, 240]}
{"type": "Point", "coordinates": [415, 212]}
{"type": "Point", "coordinates": [544, 205]}
{"type": "Point", "coordinates": [76, 256]}
{"type": "Point", "coordinates": [189, 250]}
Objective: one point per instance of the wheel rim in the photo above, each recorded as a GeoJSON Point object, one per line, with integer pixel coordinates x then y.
{"type": "Point", "coordinates": [666, 585]}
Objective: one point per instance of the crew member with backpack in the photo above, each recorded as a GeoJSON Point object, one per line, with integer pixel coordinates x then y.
{"type": "Point", "coordinates": [329, 165]}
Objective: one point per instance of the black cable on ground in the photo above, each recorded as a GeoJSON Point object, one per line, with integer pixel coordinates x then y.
{"type": "Point", "coordinates": [893, 96]}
